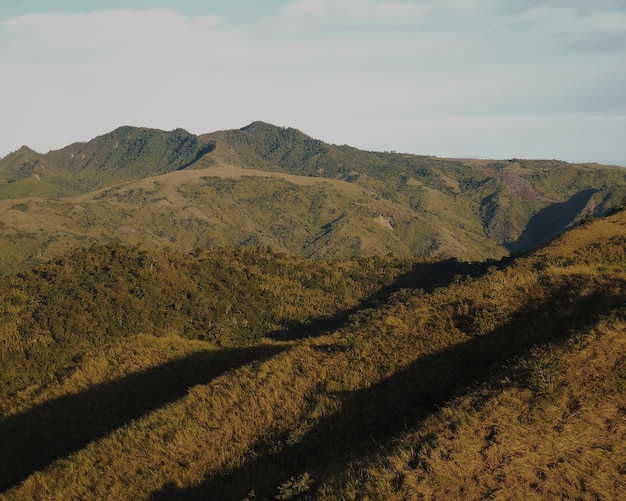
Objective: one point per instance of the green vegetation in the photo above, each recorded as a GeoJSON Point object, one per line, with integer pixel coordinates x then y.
{"type": "Point", "coordinates": [267, 185]}
{"type": "Point", "coordinates": [127, 153]}
{"type": "Point", "coordinates": [374, 378]}
{"type": "Point", "coordinates": [256, 314]}
{"type": "Point", "coordinates": [54, 315]}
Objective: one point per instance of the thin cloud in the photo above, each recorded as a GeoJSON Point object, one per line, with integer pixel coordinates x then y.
{"type": "Point", "coordinates": [356, 10]}
{"type": "Point", "coordinates": [370, 73]}
{"type": "Point", "coordinates": [568, 19]}
{"type": "Point", "coordinates": [115, 30]}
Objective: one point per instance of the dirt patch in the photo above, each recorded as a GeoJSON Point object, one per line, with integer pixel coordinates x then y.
{"type": "Point", "coordinates": [519, 186]}
{"type": "Point", "coordinates": [384, 221]}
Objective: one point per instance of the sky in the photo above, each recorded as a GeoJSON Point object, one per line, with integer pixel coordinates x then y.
{"type": "Point", "coordinates": [451, 78]}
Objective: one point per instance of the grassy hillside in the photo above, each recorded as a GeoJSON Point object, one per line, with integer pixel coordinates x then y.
{"type": "Point", "coordinates": [494, 199]}
{"type": "Point", "coordinates": [267, 185]}
{"type": "Point", "coordinates": [365, 379]}
{"type": "Point", "coordinates": [205, 208]}
{"type": "Point", "coordinates": [127, 153]}
{"type": "Point", "coordinates": [56, 313]}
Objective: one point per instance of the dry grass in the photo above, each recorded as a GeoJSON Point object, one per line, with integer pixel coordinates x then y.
{"type": "Point", "coordinates": [211, 428]}
{"type": "Point", "coordinates": [509, 441]}
{"type": "Point", "coordinates": [509, 385]}
{"type": "Point", "coordinates": [119, 358]}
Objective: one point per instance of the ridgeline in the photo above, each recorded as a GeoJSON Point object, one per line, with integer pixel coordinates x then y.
{"type": "Point", "coordinates": [255, 314]}
{"type": "Point", "coordinates": [272, 186]}
{"type": "Point", "coordinates": [234, 373]}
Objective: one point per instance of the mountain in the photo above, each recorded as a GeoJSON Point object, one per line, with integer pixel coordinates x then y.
{"type": "Point", "coordinates": [247, 373]}
{"type": "Point", "coordinates": [276, 186]}
{"type": "Point", "coordinates": [126, 154]}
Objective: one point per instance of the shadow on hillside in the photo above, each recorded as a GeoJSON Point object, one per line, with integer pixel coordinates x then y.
{"type": "Point", "coordinates": [424, 276]}
{"type": "Point", "coordinates": [206, 149]}
{"type": "Point", "coordinates": [370, 418]}
{"type": "Point", "coordinates": [32, 440]}
{"type": "Point", "coordinates": [550, 222]}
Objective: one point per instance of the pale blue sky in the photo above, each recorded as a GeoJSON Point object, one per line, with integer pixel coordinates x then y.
{"type": "Point", "coordinates": [452, 78]}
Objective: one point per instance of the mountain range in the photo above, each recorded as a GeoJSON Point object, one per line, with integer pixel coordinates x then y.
{"type": "Point", "coordinates": [268, 185]}
{"type": "Point", "coordinates": [257, 315]}
{"type": "Point", "coordinates": [243, 373]}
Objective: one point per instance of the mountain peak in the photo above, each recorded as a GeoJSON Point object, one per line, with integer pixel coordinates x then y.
{"type": "Point", "coordinates": [25, 149]}
{"type": "Point", "coordinates": [267, 128]}
{"type": "Point", "coordinates": [18, 159]}
{"type": "Point", "coordinates": [259, 124]}
{"type": "Point", "coordinates": [22, 151]}
{"type": "Point", "coordinates": [129, 129]}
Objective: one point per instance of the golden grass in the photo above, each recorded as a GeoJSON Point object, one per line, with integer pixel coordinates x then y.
{"type": "Point", "coordinates": [507, 386]}
{"type": "Point", "coordinates": [213, 427]}
{"type": "Point", "coordinates": [513, 442]}
{"type": "Point", "coordinates": [117, 359]}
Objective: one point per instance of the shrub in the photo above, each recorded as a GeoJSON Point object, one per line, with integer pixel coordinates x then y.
{"type": "Point", "coordinates": [295, 486]}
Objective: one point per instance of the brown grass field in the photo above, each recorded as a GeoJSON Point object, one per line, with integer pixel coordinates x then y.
{"type": "Point", "coordinates": [506, 380]}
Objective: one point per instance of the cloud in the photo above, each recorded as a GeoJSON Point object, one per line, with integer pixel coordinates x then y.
{"type": "Point", "coordinates": [569, 19]}
{"type": "Point", "coordinates": [98, 34]}
{"type": "Point", "coordinates": [354, 10]}
{"type": "Point", "coordinates": [341, 70]}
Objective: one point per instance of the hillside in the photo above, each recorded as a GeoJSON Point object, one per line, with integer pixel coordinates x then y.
{"type": "Point", "coordinates": [125, 154]}
{"type": "Point", "coordinates": [267, 185]}
{"type": "Point", "coordinates": [372, 378]}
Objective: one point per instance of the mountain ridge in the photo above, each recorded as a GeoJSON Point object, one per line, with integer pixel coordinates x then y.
{"type": "Point", "coordinates": [281, 318]}
{"type": "Point", "coordinates": [401, 203]}
{"type": "Point", "coordinates": [368, 378]}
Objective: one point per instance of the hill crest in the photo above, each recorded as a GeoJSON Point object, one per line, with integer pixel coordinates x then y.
{"type": "Point", "coordinates": [391, 373]}
{"type": "Point", "coordinates": [365, 202]}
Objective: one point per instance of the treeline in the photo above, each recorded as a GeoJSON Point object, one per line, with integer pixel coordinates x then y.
{"type": "Point", "coordinates": [230, 296]}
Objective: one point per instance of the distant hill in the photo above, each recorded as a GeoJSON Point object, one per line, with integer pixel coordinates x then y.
{"type": "Point", "coordinates": [276, 186]}
{"type": "Point", "coordinates": [126, 154]}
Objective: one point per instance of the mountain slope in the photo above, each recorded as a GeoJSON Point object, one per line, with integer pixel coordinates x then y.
{"type": "Point", "coordinates": [505, 381]}
{"type": "Point", "coordinates": [499, 197]}
{"type": "Point", "coordinates": [127, 153]}
{"type": "Point", "coordinates": [277, 186]}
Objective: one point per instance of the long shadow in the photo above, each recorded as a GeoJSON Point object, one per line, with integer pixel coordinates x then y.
{"type": "Point", "coordinates": [207, 148]}
{"type": "Point", "coordinates": [32, 440]}
{"type": "Point", "coordinates": [371, 417]}
{"type": "Point", "coordinates": [425, 276]}
{"type": "Point", "coordinates": [550, 222]}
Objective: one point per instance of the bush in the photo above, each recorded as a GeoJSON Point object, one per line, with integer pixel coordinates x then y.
{"type": "Point", "coordinates": [295, 486]}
